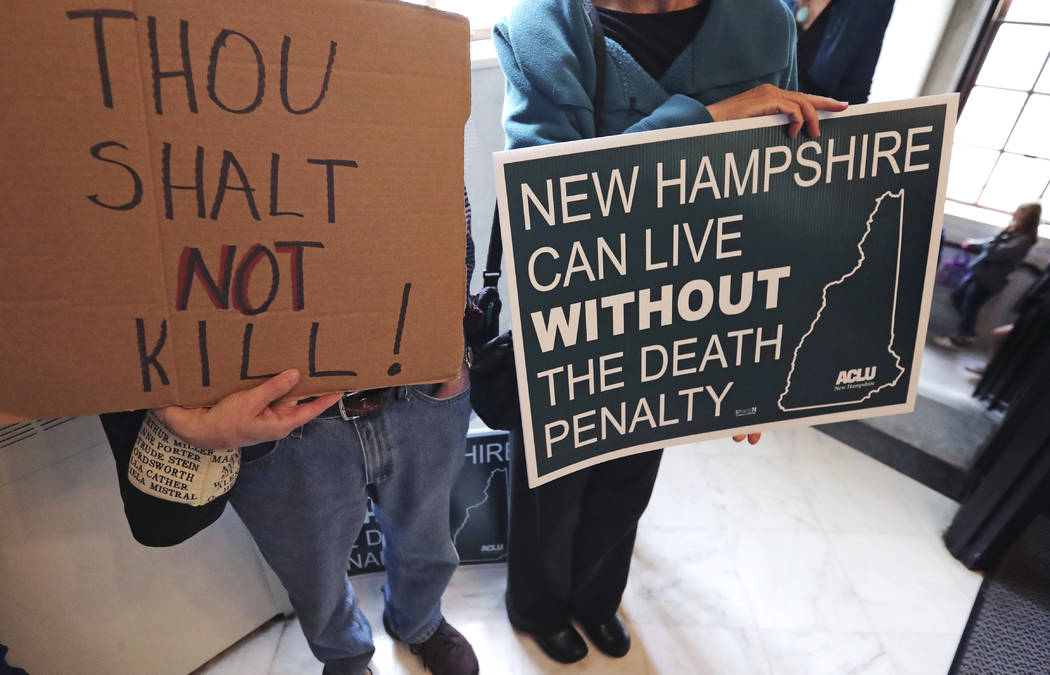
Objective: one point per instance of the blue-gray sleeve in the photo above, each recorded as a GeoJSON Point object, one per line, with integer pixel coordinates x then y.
{"type": "Point", "coordinates": [677, 111]}
{"type": "Point", "coordinates": [791, 74]}
{"type": "Point", "coordinates": [530, 115]}
{"type": "Point", "coordinates": [550, 73]}
{"type": "Point", "coordinates": [546, 54]}
{"type": "Point", "coordinates": [856, 86]}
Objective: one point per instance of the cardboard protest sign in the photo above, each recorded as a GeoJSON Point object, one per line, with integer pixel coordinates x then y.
{"type": "Point", "coordinates": [681, 284]}
{"type": "Point", "coordinates": [200, 194]}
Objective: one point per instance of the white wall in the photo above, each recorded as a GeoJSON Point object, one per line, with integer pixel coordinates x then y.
{"type": "Point", "coordinates": [484, 136]}
{"type": "Point", "coordinates": [79, 595]}
{"type": "Point", "coordinates": [911, 42]}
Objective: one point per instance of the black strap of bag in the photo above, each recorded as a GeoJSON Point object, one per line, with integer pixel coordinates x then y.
{"type": "Point", "coordinates": [491, 275]}
{"type": "Point", "coordinates": [486, 304]}
{"type": "Point", "coordinates": [493, 383]}
{"type": "Point", "coordinates": [598, 45]}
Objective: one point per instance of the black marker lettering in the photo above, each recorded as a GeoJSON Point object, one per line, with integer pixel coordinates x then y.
{"type": "Point", "coordinates": [97, 15]}
{"type": "Point", "coordinates": [314, 372]}
{"type": "Point", "coordinates": [243, 277]}
{"type": "Point", "coordinates": [395, 367]}
{"type": "Point", "coordinates": [202, 341]}
{"type": "Point", "coordinates": [136, 196]}
{"type": "Point", "coordinates": [275, 171]}
{"type": "Point", "coordinates": [246, 349]}
{"type": "Point", "coordinates": [150, 359]}
{"type": "Point", "coordinates": [213, 67]}
{"type": "Point", "coordinates": [285, 46]}
{"type": "Point", "coordinates": [158, 74]}
{"type": "Point", "coordinates": [198, 185]}
{"type": "Point", "coordinates": [329, 165]}
{"type": "Point", "coordinates": [296, 249]}
{"type": "Point", "coordinates": [228, 160]}
{"type": "Point", "coordinates": [192, 265]}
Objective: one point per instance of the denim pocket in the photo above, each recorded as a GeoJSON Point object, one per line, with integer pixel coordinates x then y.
{"type": "Point", "coordinates": [422, 391]}
{"type": "Point", "coordinates": [255, 454]}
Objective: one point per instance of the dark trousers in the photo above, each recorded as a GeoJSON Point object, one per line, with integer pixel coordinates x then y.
{"type": "Point", "coordinates": [570, 540]}
{"type": "Point", "coordinates": [968, 299]}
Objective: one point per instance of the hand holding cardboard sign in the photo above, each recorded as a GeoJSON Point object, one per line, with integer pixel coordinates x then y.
{"type": "Point", "coordinates": [766, 99]}
{"type": "Point", "coordinates": [246, 417]}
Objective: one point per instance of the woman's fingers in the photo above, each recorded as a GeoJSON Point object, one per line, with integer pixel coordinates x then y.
{"type": "Point", "coordinates": [766, 99]}
{"type": "Point", "coordinates": [751, 438]}
{"type": "Point", "coordinates": [825, 103]}
{"type": "Point", "coordinates": [793, 110]}
{"type": "Point", "coordinates": [810, 115]}
{"type": "Point", "coordinates": [810, 104]}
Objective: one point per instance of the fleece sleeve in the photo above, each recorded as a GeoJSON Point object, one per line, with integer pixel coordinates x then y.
{"type": "Point", "coordinates": [677, 111]}
{"type": "Point", "coordinates": [546, 100]}
{"type": "Point", "coordinates": [789, 76]}
{"type": "Point", "coordinates": [547, 56]}
{"type": "Point", "coordinates": [856, 86]}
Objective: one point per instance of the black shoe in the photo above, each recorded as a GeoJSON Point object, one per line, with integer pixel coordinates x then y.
{"type": "Point", "coordinates": [370, 669]}
{"type": "Point", "coordinates": [446, 652]}
{"type": "Point", "coordinates": [610, 637]}
{"type": "Point", "coordinates": [562, 644]}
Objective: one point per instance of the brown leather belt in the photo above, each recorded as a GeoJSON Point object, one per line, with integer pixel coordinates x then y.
{"type": "Point", "coordinates": [355, 404]}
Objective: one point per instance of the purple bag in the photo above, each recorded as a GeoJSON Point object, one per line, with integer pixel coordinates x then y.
{"type": "Point", "coordinates": [952, 272]}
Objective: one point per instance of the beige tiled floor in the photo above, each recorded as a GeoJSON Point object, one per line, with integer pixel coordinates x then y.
{"type": "Point", "coordinates": [796, 556]}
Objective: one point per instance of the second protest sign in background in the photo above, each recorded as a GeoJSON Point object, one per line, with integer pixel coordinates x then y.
{"type": "Point", "coordinates": [696, 282]}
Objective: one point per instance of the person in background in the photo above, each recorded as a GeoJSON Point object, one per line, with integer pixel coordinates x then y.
{"type": "Point", "coordinates": [1032, 295]}
{"type": "Point", "coordinates": [668, 63]}
{"type": "Point", "coordinates": [839, 42]}
{"type": "Point", "coordinates": [995, 343]}
{"type": "Point", "coordinates": [997, 257]}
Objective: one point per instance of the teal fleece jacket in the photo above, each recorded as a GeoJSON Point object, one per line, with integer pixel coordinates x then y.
{"type": "Point", "coordinates": [545, 49]}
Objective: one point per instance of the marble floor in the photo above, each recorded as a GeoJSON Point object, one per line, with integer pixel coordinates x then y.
{"type": "Point", "coordinates": [795, 556]}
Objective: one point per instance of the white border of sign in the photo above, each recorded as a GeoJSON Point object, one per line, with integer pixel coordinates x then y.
{"type": "Point", "coordinates": [501, 159]}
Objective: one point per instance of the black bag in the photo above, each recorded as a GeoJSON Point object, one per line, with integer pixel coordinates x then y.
{"type": "Point", "coordinates": [153, 521]}
{"type": "Point", "coordinates": [5, 667]}
{"type": "Point", "coordinates": [493, 380]}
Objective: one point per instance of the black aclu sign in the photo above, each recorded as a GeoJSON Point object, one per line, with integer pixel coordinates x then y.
{"type": "Point", "coordinates": [477, 509]}
{"type": "Point", "coordinates": [696, 282]}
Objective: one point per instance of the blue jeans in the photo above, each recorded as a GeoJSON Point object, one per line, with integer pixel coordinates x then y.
{"type": "Point", "coordinates": [303, 500]}
{"type": "Point", "coordinates": [968, 299]}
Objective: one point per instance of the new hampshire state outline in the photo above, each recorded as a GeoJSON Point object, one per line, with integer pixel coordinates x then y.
{"type": "Point", "coordinates": [848, 353]}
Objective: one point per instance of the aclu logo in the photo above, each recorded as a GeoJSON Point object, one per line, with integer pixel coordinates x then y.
{"type": "Point", "coordinates": [492, 548]}
{"type": "Point", "coordinates": [855, 377]}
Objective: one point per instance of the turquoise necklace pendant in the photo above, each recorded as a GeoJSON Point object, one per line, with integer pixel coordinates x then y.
{"type": "Point", "coordinates": [802, 14]}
